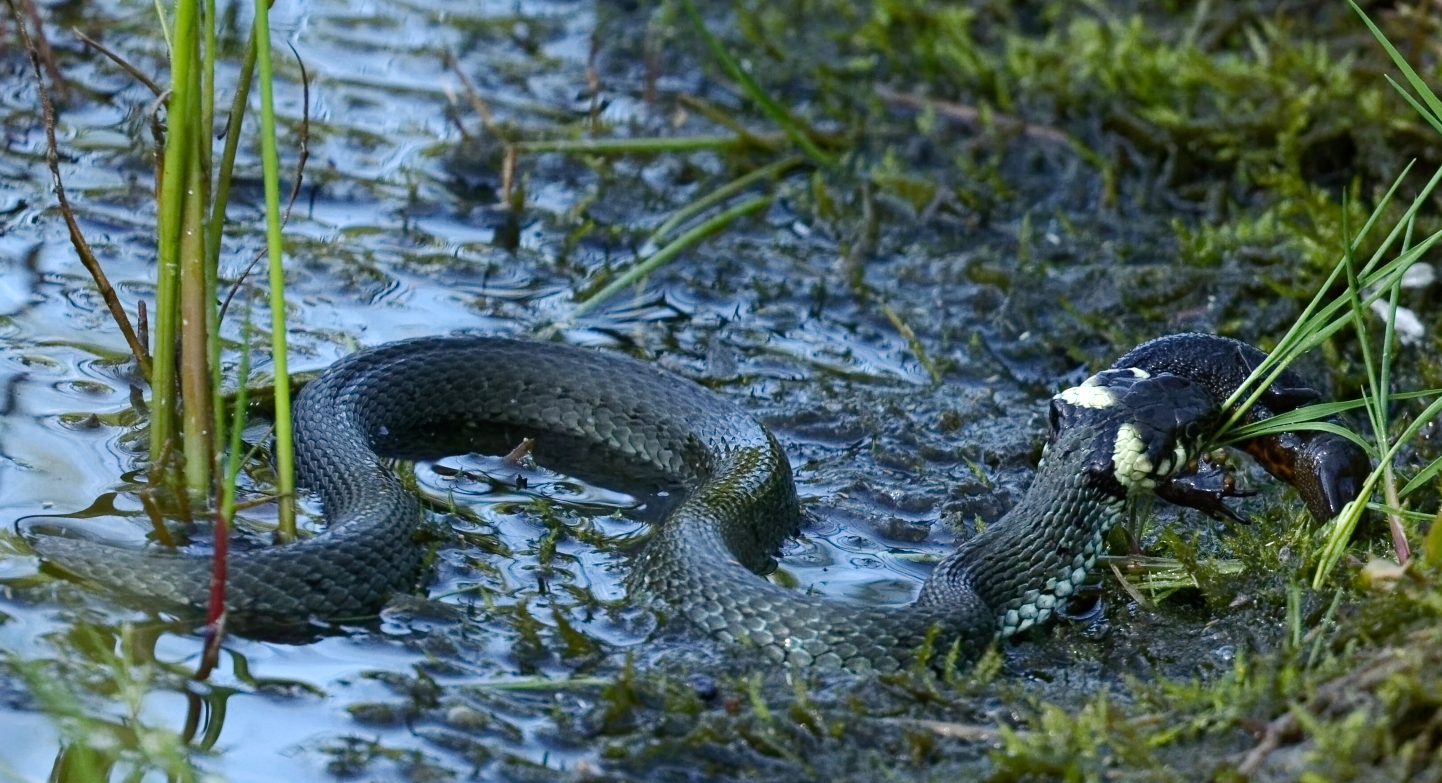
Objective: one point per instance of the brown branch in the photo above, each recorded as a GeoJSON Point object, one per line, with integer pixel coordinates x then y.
{"type": "Point", "coordinates": [520, 452]}
{"type": "Point", "coordinates": [593, 79]}
{"type": "Point", "coordinates": [157, 132]}
{"type": "Point", "coordinates": [215, 614]}
{"type": "Point", "coordinates": [42, 46]}
{"type": "Point", "coordinates": [1330, 696]}
{"type": "Point", "coordinates": [970, 115]}
{"type": "Point", "coordinates": [120, 61]}
{"type": "Point", "coordinates": [488, 121]}
{"type": "Point", "coordinates": [82, 247]}
{"type": "Point", "coordinates": [304, 136]}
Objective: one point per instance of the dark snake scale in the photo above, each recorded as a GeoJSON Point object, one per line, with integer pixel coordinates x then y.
{"type": "Point", "coordinates": [1125, 430]}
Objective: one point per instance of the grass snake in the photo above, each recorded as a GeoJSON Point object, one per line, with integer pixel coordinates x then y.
{"type": "Point", "coordinates": [1129, 429]}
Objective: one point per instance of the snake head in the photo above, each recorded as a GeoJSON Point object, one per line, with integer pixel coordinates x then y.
{"type": "Point", "coordinates": [1143, 427]}
{"type": "Point", "coordinates": [1327, 470]}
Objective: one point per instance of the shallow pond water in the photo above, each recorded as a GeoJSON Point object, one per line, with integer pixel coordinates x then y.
{"type": "Point", "coordinates": [398, 234]}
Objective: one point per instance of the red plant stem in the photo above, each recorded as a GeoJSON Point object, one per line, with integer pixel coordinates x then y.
{"type": "Point", "coordinates": [215, 612]}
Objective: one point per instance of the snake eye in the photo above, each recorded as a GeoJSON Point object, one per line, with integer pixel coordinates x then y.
{"type": "Point", "coordinates": [1192, 432]}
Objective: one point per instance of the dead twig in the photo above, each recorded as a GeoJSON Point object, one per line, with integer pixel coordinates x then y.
{"type": "Point", "coordinates": [1336, 694]}
{"type": "Point", "coordinates": [488, 121]}
{"type": "Point", "coordinates": [42, 46]}
{"type": "Point", "coordinates": [82, 247]}
{"type": "Point", "coordinates": [722, 118]}
{"type": "Point", "coordinates": [157, 133]}
{"type": "Point", "coordinates": [593, 80]}
{"type": "Point", "coordinates": [1131, 589]}
{"type": "Point", "coordinates": [970, 115]}
{"type": "Point", "coordinates": [157, 519]}
{"type": "Point", "coordinates": [508, 172]}
{"type": "Point", "coordinates": [120, 61]}
{"type": "Point", "coordinates": [304, 152]}
{"type": "Point", "coordinates": [966, 732]}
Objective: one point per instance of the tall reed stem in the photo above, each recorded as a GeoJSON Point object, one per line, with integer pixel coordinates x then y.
{"type": "Point", "coordinates": [284, 454]}
{"type": "Point", "coordinates": [178, 149]}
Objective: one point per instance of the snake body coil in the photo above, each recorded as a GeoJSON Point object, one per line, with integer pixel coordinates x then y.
{"type": "Point", "coordinates": [1121, 432]}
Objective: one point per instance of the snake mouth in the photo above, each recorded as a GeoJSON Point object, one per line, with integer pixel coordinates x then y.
{"type": "Point", "coordinates": [1327, 470]}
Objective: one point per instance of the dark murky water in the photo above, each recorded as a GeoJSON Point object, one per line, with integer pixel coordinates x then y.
{"type": "Point", "coordinates": [397, 235]}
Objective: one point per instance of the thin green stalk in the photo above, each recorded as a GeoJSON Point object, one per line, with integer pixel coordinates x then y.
{"type": "Point", "coordinates": [215, 228]}
{"type": "Point", "coordinates": [227, 155]}
{"type": "Point", "coordinates": [544, 684]}
{"type": "Point", "coordinates": [665, 254]}
{"type": "Point", "coordinates": [1321, 628]}
{"type": "Point", "coordinates": [211, 253]}
{"type": "Point", "coordinates": [284, 452]}
{"type": "Point", "coordinates": [1339, 531]}
{"type": "Point", "coordinates": [913, 342]}
{"type": "Point", "coordinates": [1312, 331]}
{"type": "Point", "coordinates": [725, 192]}
{"type": "Point", "coordinates": [207, 89]}
{"type": "Point", "coordinates": [1278, 360]}
{"type": "Point", "coordinates": [196, 310]}
{"type": "Point", "coordinates": [196, 313]}
{"type": "Point", "coordinates": [634, 146]}
{"type": "Point", "coordinates": [1420, 86]}
{"type": "Point", "coordinates": [1377, 381]}
{"type": "Point", "coordinates": [234, 456]}
{"type": "Point", "coordinates": [172, 203]}
{"type": "Point", "coordinates": [164, 27]}
{"type": "Point", "coordinates": [1359, 324]}
{"type": "Point", "coordinates": [1432, 114]}
{"type": "Point", "coordinates": [799, 135]}
{"type": "Point", "coordinates": [1384, 387]}
{"type": "Point", "coordinates": [1389, 480]}
{"type": "Point", "coordinates": [1283, 422]}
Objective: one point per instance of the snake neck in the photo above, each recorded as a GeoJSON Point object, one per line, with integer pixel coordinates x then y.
{"type": "Point", "coordinates": [1028, 563]}
{"type": "Point", "coordinates": [1115, 436]}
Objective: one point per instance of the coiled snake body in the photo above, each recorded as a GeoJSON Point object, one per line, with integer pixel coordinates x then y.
{"type": "Point", "coordinates": [1123, 431]}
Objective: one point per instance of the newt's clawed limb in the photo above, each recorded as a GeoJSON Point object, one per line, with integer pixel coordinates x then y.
{"type": "Point", "coordinates": [1205, 484]}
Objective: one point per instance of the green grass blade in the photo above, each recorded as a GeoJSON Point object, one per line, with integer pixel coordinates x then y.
{"type": "Point", "coordinates": [1267, 427]}
{"type": "Point", "coordinates": [270, 159]}
{"type": "Point", "coordinates": [172, 207]}
{"type": "Point", "coordinates": [1339, 530]}
{"type": "Point", "coordinates": [1318, 412]}
{"type": "Point", "coordinates": [778, 114]}
{"type": "Point", "coordinates": [1415, 516]}
{"type": "Point", "coordinates": [660, 144]}
{"type": "Point", "coordinates": [1418, 480]}
{"type": "Point", "coordinates": [215, 227]}
{"type": "Point", "coordinates": [725, 192]}
{"type": "Point", "coordinates": [1412, 78]}
{"type": "Point", "coordinates": [669, 252]}
{"type": "Point", "coordinates": [1325, 322]}
{"type": "Point", "coordinates": [1251, 390]}
{"type": "Point", "coordinates": [1407, 96]}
